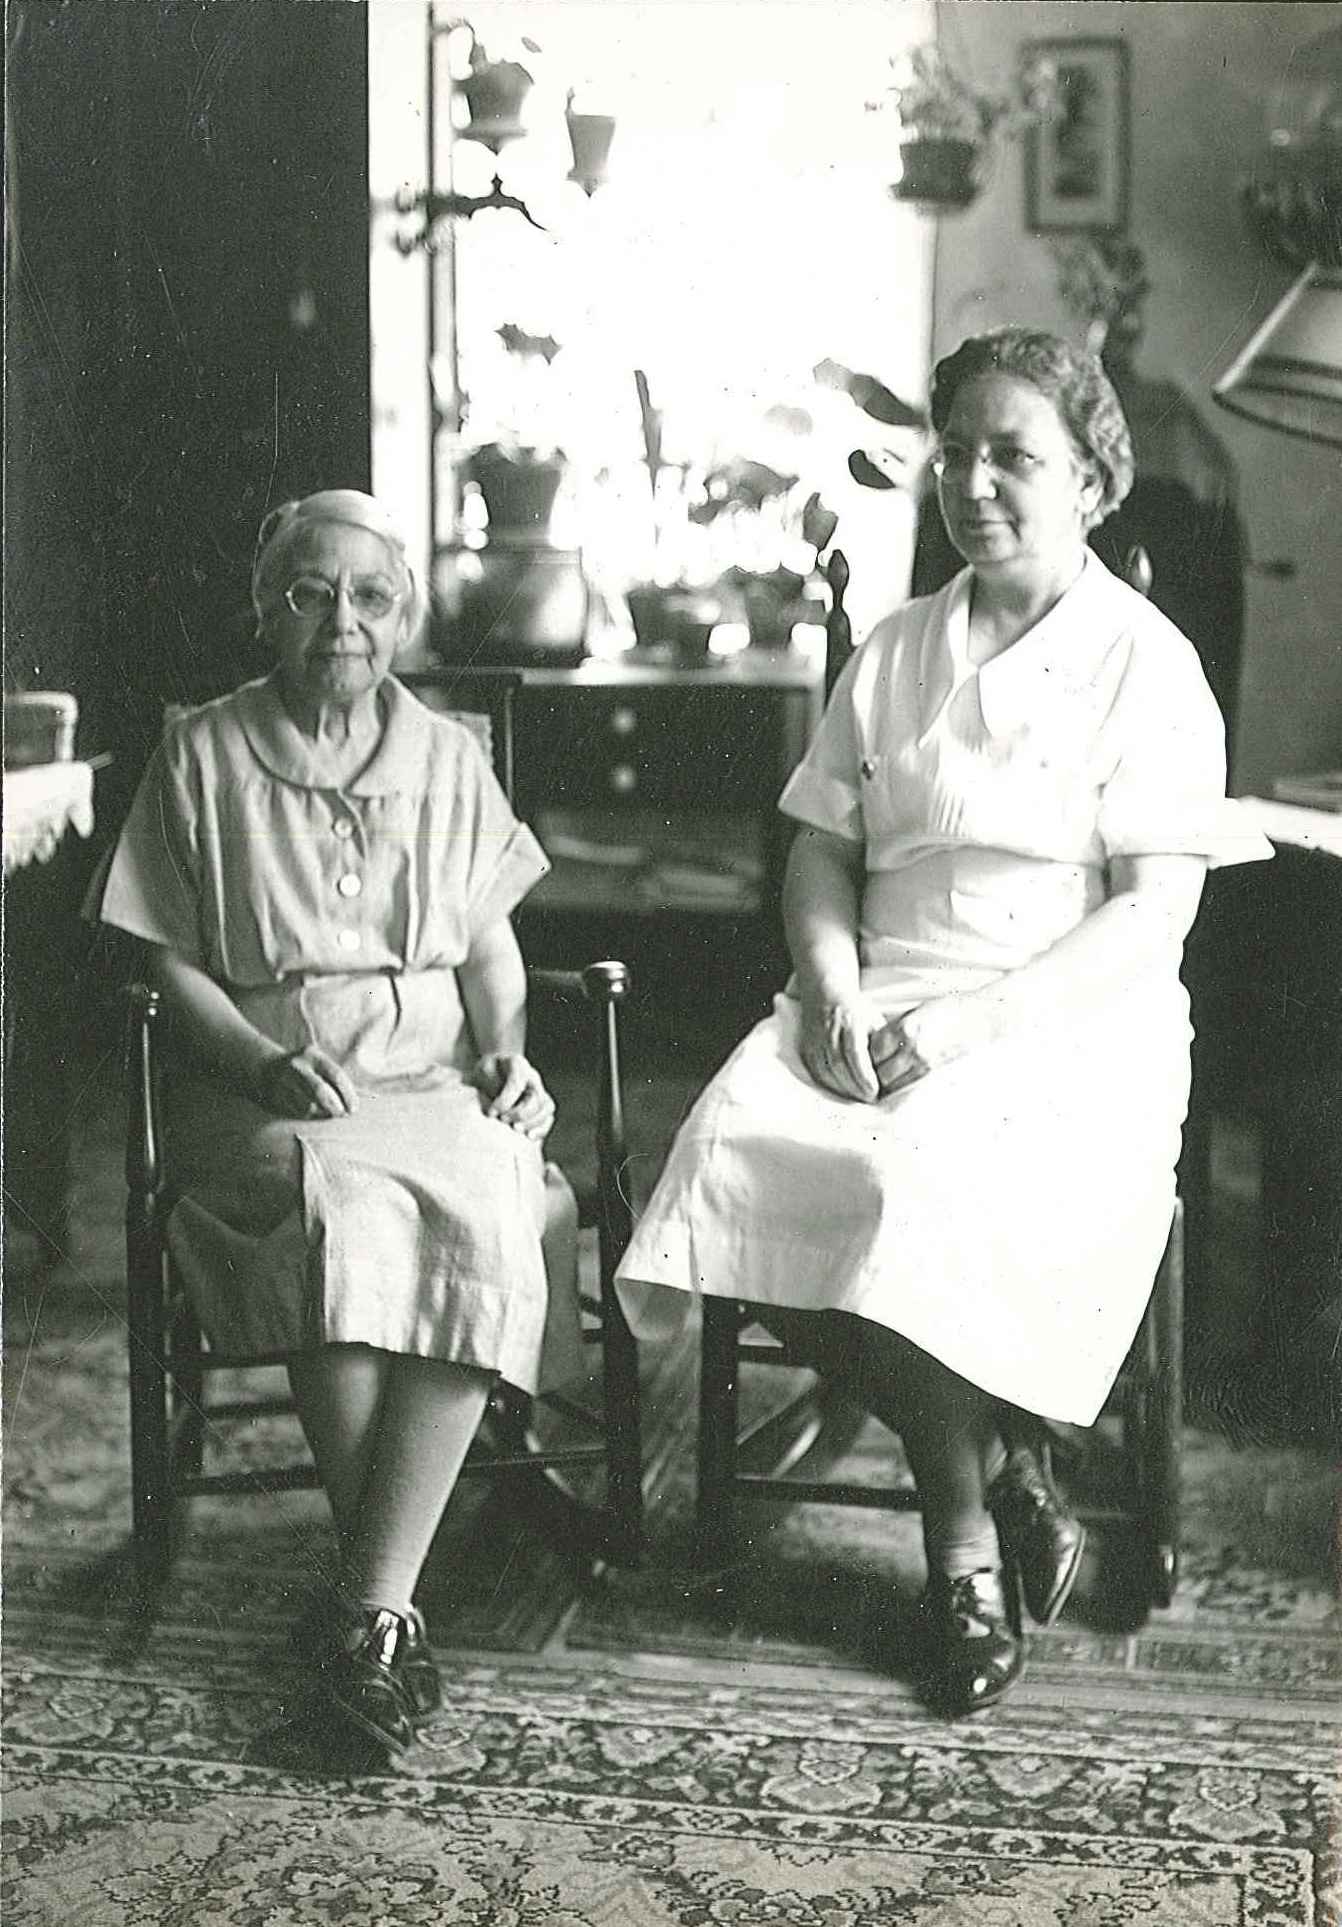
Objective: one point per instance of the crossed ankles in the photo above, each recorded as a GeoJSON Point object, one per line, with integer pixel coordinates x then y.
{"type": "Point", "coordinates": [977, 1650]}
{"type": "Point", "coordinates": [973, 1619]}
{"type": "Point", "coordinates": [1039, 1537]}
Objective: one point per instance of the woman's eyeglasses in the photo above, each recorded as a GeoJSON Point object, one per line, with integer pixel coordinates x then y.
{"type": "Point", "coordinates": [312, 596]}
{"type": "Point", "coordinates": [954, 462]}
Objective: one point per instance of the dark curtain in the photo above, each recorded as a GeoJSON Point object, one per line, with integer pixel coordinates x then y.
{"type": "Point", "coordinates": [187, 317]}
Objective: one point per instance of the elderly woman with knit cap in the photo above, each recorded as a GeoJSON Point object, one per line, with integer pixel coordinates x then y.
{"type": "Point", "coordinates": [322, 870]}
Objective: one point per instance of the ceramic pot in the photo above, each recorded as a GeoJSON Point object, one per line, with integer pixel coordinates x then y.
{"type": "Point", "coordinates": [511, 604]}
{"type": "Point", "coordinates": [519, 491]}
{"type": "Point", "coordinates": [590, 136]}
{"type": "Point", "coordinates": [494, 96]}
{"type": "Point", "coordinates": [682, 617]}
{"type": "Point", "coordinates": [939, 172]}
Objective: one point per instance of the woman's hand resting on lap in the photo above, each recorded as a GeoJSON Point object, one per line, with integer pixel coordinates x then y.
{"type": "Point", "coordinates": [936, 1033]}
{"type": "Point", "coordinates": [514, 1093]}
{"type": "Point", "coordinates": [854, 1050]}
{"type": "Point", "coordinates": [306, 1083]}
{"type": "Point", "coordinates": [836, 1046]}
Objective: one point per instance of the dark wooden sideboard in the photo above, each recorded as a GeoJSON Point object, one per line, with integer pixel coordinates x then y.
{"type": "Point", "coordinates": [653, 786]}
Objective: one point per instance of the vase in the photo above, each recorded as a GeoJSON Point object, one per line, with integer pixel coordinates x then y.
{"type": "Point", "coordinates": [513, 604]}
{"type": "Point", "coordinates": [939, 173]}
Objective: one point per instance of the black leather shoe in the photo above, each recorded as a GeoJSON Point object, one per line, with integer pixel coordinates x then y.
{"type": "Point", "coordinates": [977, 1652]}
{"type": "Point", "coordinates": [416, 1668]}
{"type": "Point", "coordinates": [363, 1685]}
{"type": "Point", "coordinates": [321, 1636]}
{"type": "Point", "coordinates": [1037, 1534]}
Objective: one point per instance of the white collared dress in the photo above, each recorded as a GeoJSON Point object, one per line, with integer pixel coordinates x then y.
{"type": "Point", "coordinates": [339, 916]}
{"type": "Point", "coordinates": [1006, 1213]}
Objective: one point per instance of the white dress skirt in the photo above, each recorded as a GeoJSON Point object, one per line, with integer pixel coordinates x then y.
{"type": "Point", "coordinates": [1007, 1213]}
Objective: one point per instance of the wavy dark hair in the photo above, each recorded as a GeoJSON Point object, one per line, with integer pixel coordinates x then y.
{"type": "Point", "coordinates": [1073, 380]}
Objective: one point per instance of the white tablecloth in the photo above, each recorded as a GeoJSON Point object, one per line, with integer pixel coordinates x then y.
{"type": "Point", "coordinates": [1293, 823]}
{"type": "Point", "coordinates": [41, 803]}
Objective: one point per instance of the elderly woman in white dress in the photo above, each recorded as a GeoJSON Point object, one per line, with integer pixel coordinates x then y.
{"type": "Point", "coordinates": [958, 1131]}
{"type": "Point", "coordinates": [321, 871]}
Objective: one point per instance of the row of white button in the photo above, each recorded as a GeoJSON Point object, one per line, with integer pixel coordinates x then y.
{"type": "Point", "coordinates": [350, 884]}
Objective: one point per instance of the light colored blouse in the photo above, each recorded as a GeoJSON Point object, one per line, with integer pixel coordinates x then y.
{"type": "Point", "coordinates": [1094, 736]}
{"type": "Point", "coordinates": [242, 858]}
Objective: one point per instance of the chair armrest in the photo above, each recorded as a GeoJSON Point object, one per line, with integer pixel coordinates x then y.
{"type": "Point", "coordinates": [605, 984]}
{"type": "Point", "coordinates": [600, 983]}
{"type": "Point", "coordinates": [143, 1156]}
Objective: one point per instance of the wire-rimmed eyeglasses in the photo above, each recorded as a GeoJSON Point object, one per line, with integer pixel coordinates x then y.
{"type": "Point", "coordinates": [955, 462]}
{"type": "Point", "coordinates": [312, 596]}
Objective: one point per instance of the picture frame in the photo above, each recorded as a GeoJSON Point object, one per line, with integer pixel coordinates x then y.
{"type": "Point", "coordinates": [1077, 164]}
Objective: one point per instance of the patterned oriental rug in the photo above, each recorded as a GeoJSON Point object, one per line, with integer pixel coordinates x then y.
{"type": "Point", "coordinates": [673, 1746]}
{"type": "Point", "coordinates": [665, 1747]}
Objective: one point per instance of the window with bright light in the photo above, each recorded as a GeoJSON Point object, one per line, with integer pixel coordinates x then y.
{"type": "Point", "coordinates": [743, 236]}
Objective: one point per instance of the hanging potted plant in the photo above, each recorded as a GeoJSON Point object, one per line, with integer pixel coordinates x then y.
{"type": "Point", "coordinates": [590, 136]}
{"type": "Point", "coordinates": [946, 129]}
{"type": "Point", "coordinates": [495, 92]}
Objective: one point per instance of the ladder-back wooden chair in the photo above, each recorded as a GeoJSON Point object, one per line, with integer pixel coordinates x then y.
{"type": "Point", "coordinates": [811, 1418]}
{"type": "Point", "coordinates": [585, 1462]}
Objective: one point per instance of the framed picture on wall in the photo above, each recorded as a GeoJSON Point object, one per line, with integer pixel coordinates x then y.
{"type": "Point", "coordinates": [1076, 164]}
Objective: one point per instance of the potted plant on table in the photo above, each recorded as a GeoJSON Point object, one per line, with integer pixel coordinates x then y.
{"type": "Point", "coordinates": [518, 468]}
{"type": "Point", "coordinates": [507, 588]}
{"type": "Point", "coordinates": [780, 516]}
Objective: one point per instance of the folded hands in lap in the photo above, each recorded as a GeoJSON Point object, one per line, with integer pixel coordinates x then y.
{"type": "Point", "coordinates": [852, 1048]}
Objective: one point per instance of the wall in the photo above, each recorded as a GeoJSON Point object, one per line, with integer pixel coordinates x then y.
{"type": "Point", "coordinates": [1200, 79]}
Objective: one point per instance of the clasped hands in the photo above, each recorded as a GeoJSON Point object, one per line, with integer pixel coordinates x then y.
{"type": "Point", "coordinates": [310, 1083]}
{"type": "Point", "coordinates": [852, 1048]}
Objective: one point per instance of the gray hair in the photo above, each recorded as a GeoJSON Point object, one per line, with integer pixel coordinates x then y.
{"type": "Point", "coordinates": [1071, 378]}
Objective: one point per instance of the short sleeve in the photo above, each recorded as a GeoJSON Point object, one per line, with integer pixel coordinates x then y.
{"type": "Point", "coordinates": [506, 861]}
{"type": "Point", "coordinates": [825, 788]}
{"type": "Point", "coordinates": [152, 888]}
{"type": "Point", "coordinates": [1166, 795]}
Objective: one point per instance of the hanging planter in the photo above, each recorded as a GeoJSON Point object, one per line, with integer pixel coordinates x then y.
{"type": "Point", "coordinates": [938, 172]}
{"type": "Point", "coordinates": [590, 136]}
{"type": "Point", "coordinates": [495, 93]}
{"type": "Point", "coordinates": [946, 130]}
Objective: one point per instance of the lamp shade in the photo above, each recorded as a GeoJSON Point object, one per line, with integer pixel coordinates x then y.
{"type": "Point", "coordinates": [1289, 374]}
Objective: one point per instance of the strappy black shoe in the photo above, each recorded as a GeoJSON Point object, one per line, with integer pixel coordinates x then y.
{"type": "Point", "coordinates": [362, 1683]}
{"type": "Point", "coordinates": [1037, 1534]}
{"type": "Point", "coordinates": [977, 1653]}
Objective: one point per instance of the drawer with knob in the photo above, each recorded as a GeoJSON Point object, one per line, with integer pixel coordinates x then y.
{"type": "Point", "coordinates": [673, 747]}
